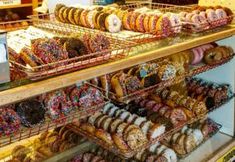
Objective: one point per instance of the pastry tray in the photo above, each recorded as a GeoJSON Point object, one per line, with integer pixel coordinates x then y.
{"type": "Point", "coordinates": [130, 153]}
{"type": "Point", "coordinates": [143, 92]}
{"type": "Point", "coordinates": [49, 124]}
{"type": "Point", "coordinates": [118, 49]}
{"type": "Point", "coordinates": [14, 25]}
{"type": "Point", "coordinates": [188, 27]}
{"type": "Point", "coordinates": [216, 127]}
{"type": "Point", "coordinates": [48, 21]}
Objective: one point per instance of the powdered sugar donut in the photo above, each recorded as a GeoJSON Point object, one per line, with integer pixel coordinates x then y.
{"type": "Point", "coordinates": [113, 23]}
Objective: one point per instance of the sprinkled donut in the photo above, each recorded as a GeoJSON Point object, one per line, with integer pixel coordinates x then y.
{"type": "Point", "coordinates": [113, 23]}
{"type": "Point", "coordinates": [164, 26]}
{"type": "Point", "coordinates": [140, 23]}
{"type": "Point", "coordinates": [56, 104]}
{"type": "Point", "coordinates": [99, 43]}
{"type": "Point", "coordinates": [10, 121]}
{"type": "Point", "coordinates": [152, 23]}
{"type": "Point", "coordinates": [175, 22]}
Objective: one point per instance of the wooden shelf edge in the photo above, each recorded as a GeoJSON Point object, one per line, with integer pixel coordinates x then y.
{"type": "Point", "coordinates": [44, 86]}
{"type": "Point", "coordinates": [16, 6]}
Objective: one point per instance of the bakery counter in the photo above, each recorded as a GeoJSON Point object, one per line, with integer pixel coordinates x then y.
{"type": "Point", "coordinates": [154, 50]}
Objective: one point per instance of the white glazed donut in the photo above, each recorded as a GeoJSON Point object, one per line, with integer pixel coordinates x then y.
{"type": "Point", "coordinates": [170, 155]}
{"type": "Point", "coordinates": [113, 23]}
{"type": "Point", "coordinates": [197, 134]}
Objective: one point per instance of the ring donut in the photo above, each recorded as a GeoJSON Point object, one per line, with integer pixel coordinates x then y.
{"type": "Point", "coordinates": [113, 23]}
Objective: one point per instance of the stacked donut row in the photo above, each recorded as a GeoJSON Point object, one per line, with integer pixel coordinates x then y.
{"type": "Point", "coordinates": [98, 18]}
{"type": "Point", "coordinates": [55, 104]}
{"type": "Point", "coordinates": [88, 157]}
{"type": "Point", "coordinates": [112, 19]}
{"type": "Point", "coordinates": [50, 50]}
{"type": "Point", "coordinates": [212, 94]}
{"type": "Point", "coordinates": [203, 17]}
{"type": "Point", "coordinates": [189, 137]}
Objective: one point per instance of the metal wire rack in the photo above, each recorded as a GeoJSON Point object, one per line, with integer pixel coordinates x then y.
{"type": "Point", "coordinates": [211, 123]}
{"type": "Point", "coordinates": [143, 92]}
{"type": "Point", "coordinates": [118, 49]}
{"type": "Point", "coordinates": [188, 27]}
{"type": "Point", "coordinates": [48, 124]}
{"type": "Point", "coordinates": [15, 25]}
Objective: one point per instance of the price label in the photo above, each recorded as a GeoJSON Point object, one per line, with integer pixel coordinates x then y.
{"type": "Point", "coordinates": [9, 2]}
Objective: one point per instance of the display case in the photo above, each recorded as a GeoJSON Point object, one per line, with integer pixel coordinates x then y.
{"type": "Point", "coordinates": [220, 125]}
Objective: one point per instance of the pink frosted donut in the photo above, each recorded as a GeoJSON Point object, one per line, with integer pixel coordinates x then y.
{"type": "Point", "coordinates": [212, 17]}
{"type": "Point", "coordinates": [206, 47]}
{"type": "Point", "coordinates": [222, 16]}
{"type": "Point", "coordinates": [175, 22]}
{"type": "Point", "coordinates": [199, 21]}
{"type": "Point", "coordinates": [198, 55]}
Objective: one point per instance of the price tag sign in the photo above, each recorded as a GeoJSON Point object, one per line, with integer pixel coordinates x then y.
{"type": "Point", "coordinates": [9, 2]}
{"type": "Point", "coordinates": [4, 62]}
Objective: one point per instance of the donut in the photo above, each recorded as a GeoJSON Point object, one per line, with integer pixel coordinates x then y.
{"type": "Point", "coordinates": [60, 13]}
{"type": "Point", "coordinates": [101, 21]}
{"type": "Point", "coordinates": [77, 16]}
{"type": "Point", "coordinates": [190, 143]}
{"type": "Point", "coordinates": [101, 134]}
{"type": "Point", "coordinates": [166, 72]}
{"type": "Point", "coordinates": [199, 21]}
{"type": "Point", "coordinates": [222, 16]}
{"type": "Point", "coordinates": [57, 11]}
{"type": "Point", "coordinates": [179, 145]}
{"type": "Point", "coordinates": [95, 19]}
{"type": "Point", "coordinates": [56, 104]}
{"type": "Point", "coordinates": [188, 17]}
{"type": "Point", "coordinates": [175, 22]}
{"type": "Point", "coordinates": [212, 17]}
{"type": "Point", "coordinates": [30, 58]}
{"type": "Point", "coordinates": [164, 26]}
{"type": "Point", "coordinates": [49, 50]}
{"type": "Point", "coordinates": [178, 116]}
{"type": "Point", "coordinates": [75, 47]}
{"type": "Point", "coordinates": [90, 18]}
{"type": "Point", "coordinates": [66, 14]}
{"type": "Point", "coordinates": [229, 14]}
{"type": "Point", "coordinates": [197, 55]}
{"type": "Point", "coordinates": [133, 21]}
{"type": "Point", "coordinates": [71, 15]}
{"type": "Point", "coordinates": [203, 14]}
{"type": "Point", "coordinates": [83, 18]}
{"type": "Point", "coordinates": [10, 121]}
{"type": "Point", "coordinates": [140, 23]}
{"type": "Point", "coordinates": [113, 23]}
{"type": "Point", "coordinates": [152, 23]}
{"type": "Point", "coordinates": [211, 56]}
{"type": "Point", "coordinates": [31, 112]}
{"type": "Point", "coordinates": [119, 142]}
{"type": "Point", "coordinates": [127, 20]}
{"type": "Point", "coordinates": [99, 43]}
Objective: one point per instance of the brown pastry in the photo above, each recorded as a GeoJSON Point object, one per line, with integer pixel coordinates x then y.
{"type": "Point", "coordinates": [88, 128]}
{"type": "Point", "coordinates": [179, 145]}
{"type": "Point", "coordinates": [119, 142]}
{"type": "Point", "coordinates": [101, 134]}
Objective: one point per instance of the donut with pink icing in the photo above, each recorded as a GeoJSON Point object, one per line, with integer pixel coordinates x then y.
{"type": "Point", "coordinates": [212, 17]}
{"type": "Point", "coordinates": [222, 16]}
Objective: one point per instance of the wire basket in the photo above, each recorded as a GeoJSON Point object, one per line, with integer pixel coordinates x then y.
{"type": "Point", "coordinates": [144, 92]}
{"type": "Point", "coordinates": [15, 25]}
{"type": "Point", "coordinates": [139, 37]}
{"type": "Point", "coordinates": [216, 128]}
{"type": "Point", "coordinates": [130, 153]}
{"type": "Point", "coordinates": [118, 49]}
{"type": "Point", "coordinates": [49, 124]}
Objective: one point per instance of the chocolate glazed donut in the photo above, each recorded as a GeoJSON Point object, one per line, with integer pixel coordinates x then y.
{"type": "Point", "coordinates": [75, 47]}
{"type": "Point", "coordinates": [31, 112]}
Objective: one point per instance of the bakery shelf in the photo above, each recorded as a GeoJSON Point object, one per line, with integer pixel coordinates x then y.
{"type": "Point", "coordinates": [166, 48]}
{"type": "Point", "coordinates": [48, 124]}
{"type": "Point", "coordinates": [17, 6]}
